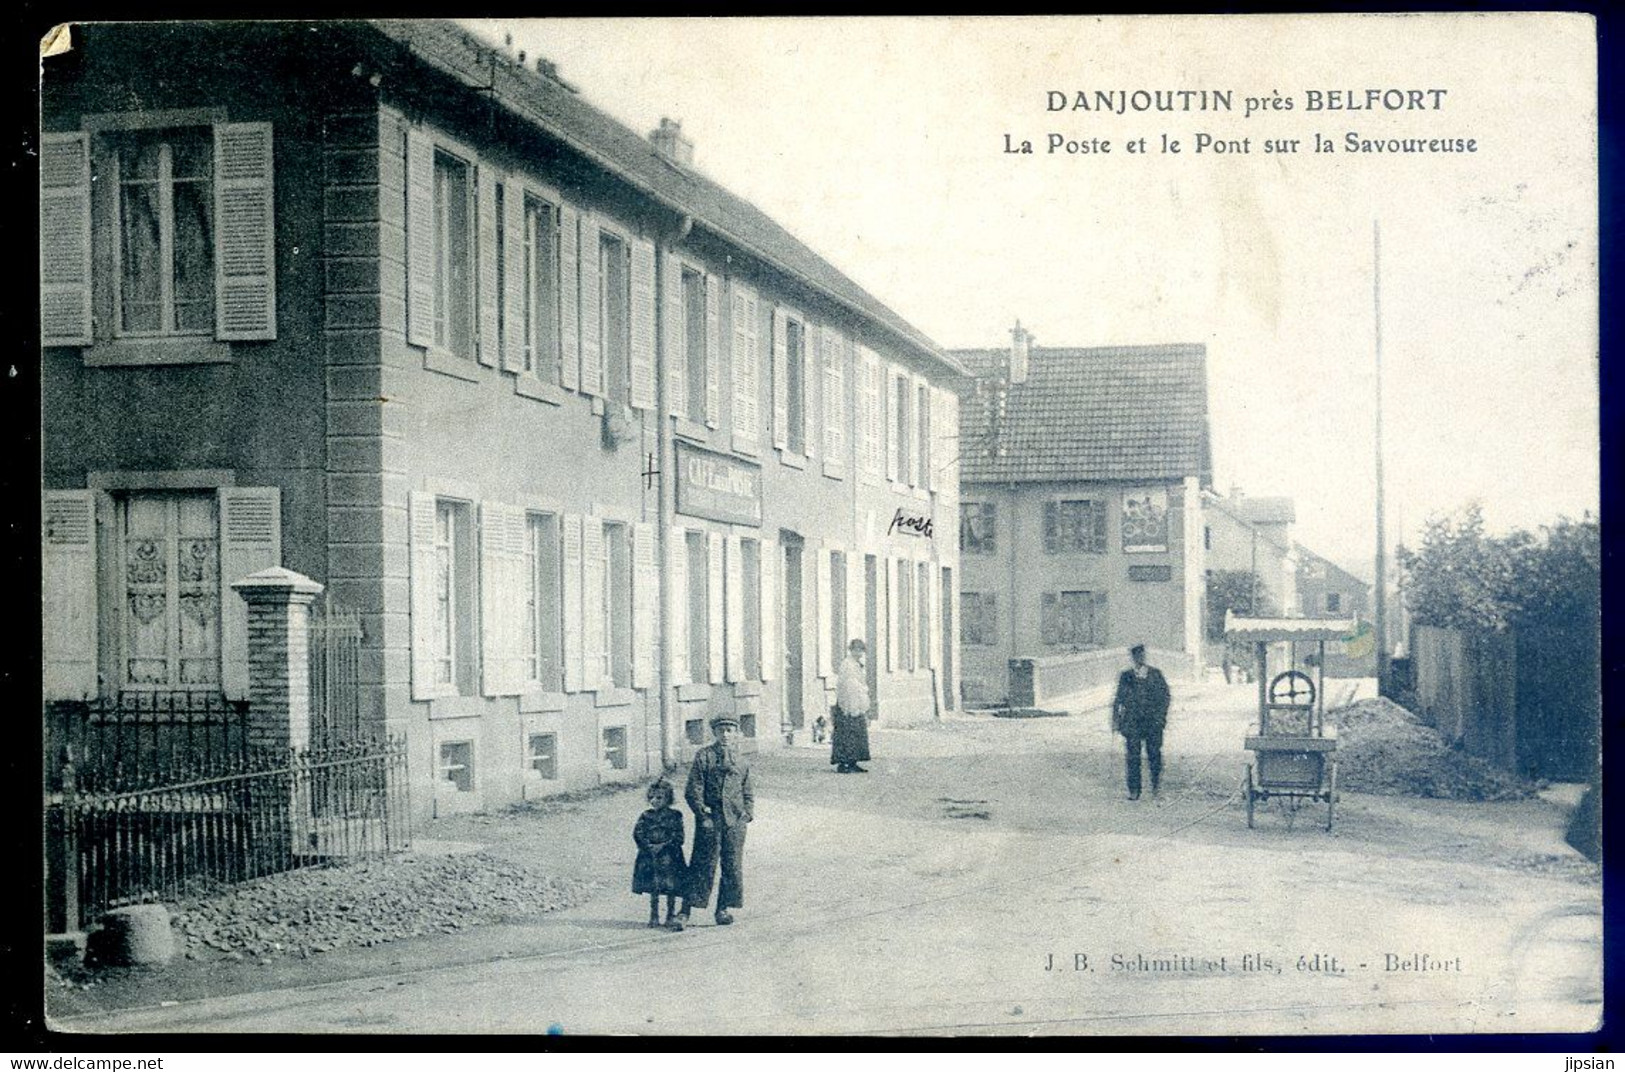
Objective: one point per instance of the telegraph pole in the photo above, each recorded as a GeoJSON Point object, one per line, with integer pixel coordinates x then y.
{"type": "Point", "coordinates": [1382, 543]}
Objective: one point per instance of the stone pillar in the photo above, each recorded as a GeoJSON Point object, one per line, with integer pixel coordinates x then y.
{"type": "Point", "coordinates": [278, 656]}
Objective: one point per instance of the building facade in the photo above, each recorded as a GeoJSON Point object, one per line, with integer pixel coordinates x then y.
{"type": "Point", "coordinates": [1081, 524]}
{"type": "Point", "coordinates": [595, 448]}
{"type": "Point", "coordinates": [1254, 535]}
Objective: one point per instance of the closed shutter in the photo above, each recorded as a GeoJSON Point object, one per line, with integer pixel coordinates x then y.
{"type": "Point", "coordinates": [570, 297]}
{"type": "Point", "coordinates": [489, 349]}
{"type": "Point", "coordinates": [516, 593]}
{"type": "Point", "coordinates": [64, 167]}
{"type": "Point", "coordinates": [734, 610]}
{"type": "Point", "coordinates": [713, 351]}
{"type": "Point", "coordinates": [573, 658]}
{"type": "Point", "coordinates": [245, 235]}
{"type": "Point", "coordinates": [1097, 511]}
{"type": "Point", "coordinates": [250, 541]}
{"type": "Point", "coordinates": [875, 415]}
{"type": "Point", "coordinates": [502, 589]}
{"type": "Point", "coordinates": [743, 359]}
{"type": "Point", "coordinates": [677, 612]}
{"type": "Point", "coordinates": [772, 570]}
{"type": "Point", "coordinates": [645, 604]}
{"type": "Point", "coordinates": [642, 389]}
{"type": "Point", "coordinates": [673, 335]}
{"type": "Point", "coordinates": [1052, 526]}
{"type": "Point", "coordinates": [594, 608]}
{"type": "Point", "coordinates": [68, 585]}
{"type": "Point", "coordinates": [826, 615]}
{"type": "Point", "coordinates": [781, 386]}
{"type": "Point", "coordinates": [893, 465]}
{"type": "Point", "coordinates": [420, 260]}
{"type": "Point", "coordinates": [516, 332]}
{"type": "Point", "coordinates": [592, 342]}
{"type": "Point", "coordinates": [421, 522]}
{"type": "Point", "coordinates": [714, 623]}
{"type": "Point", "coordinates": [1102, 634]}
{"type": "Point", "coordinates": [1049, 612]}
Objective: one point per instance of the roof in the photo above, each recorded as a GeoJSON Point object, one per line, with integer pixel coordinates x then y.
{"type": "Point", "coordinates": [1097, 413]}
{"type": "Point", "coordinates": [1304, 559]}
{"type": "Point", "coordinates": [558, 111]}
{"type": "Point", "coordinates": [1265, 510]}
{"type": "Point", "coordinates": [1228, 507]}
{"type": "Point", "coordinates": [1273, 629]}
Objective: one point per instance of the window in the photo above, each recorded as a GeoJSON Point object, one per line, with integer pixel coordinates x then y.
{"type": "Point", "coordinates": [456, 663]}
{"type": "Point", "coordinates": [796, 387]}
{"type": "Point", "coordinates": [694, 342]}
{"type": "Point", "coordinates": [544, 652]}
{"type": "Point", "coordinates": [615, 279]}
{"type": "Point", "coordinates": [457, 764]}
{"type": "Point", "coordinates": [1074, 525]}
{"type": "Point", "coordinates": [837, 606]}
{"type": "Point", "coordinates": [976, 528]}
{"type": "Point", "coordinates": [751, 568]}
{"type": "Point", "coordinates": [747, 725]}
{"type": "Point", "coordinates": [922, 598]}
{"type": "Point", "coordinates": [166, 239]}
{"type": "Point", "coordinates": [453, 254]}
{"type": "Point", "coordinates": [618, 602]}
{"type": "Point", "coordinates": [834, 398]}
{"type": "Point", "coordinates": [905, 470]}
{"type": "Point", "coordinates": [905, 615]}
{"type": "Point", "coordinates": [694, 731]}
{"type": "Point", "coordinates": [171, 582]}
{"type": "Point", "coordinates": [1071, 619]}
{"type": "Point", "coordinates": [1334, 602]}
{"type": "Point", "coordinates": [978, 618]}
{"type": "Point", "coordinates": [615, 748]}
{"type": "Point", "coordinates": [542, 755]}
{"type": "Point", "coordinates": [699, 582]}
{"type": "Point", "coordinates": [540, 329]}
{"type": "Point", "coordinates": [923, 424]}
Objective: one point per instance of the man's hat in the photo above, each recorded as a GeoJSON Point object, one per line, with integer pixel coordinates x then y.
{"type": "Point", "coordinates": [724, 720]}
{"type": "Point", "coordinates": [1138, 649]}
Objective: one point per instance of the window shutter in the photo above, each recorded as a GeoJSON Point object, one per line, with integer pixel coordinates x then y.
{"type": "Point", "coordinates": [734, 604]}
{"type": "Point", "coordinates": [826, 607]}
{"type": "Point", "coordinates": [935, 453]}
{"type": "Point", "coordinates": [515, 285]}
{"type": "Point", "coordinates": [250, 541]}
{"type": "Point", "coordinates": [494, 583]}
{"type": "Point", "coordinates": [645, 605]}
{"type": "Point", "coordinates": [245, 235]}
{"type": "Point", "coordinates": [594, 612]}
{"type": "Point", "coordinates": [893, 655]}
{"type": "Point", "coordinates": [990, 618]}
{"type": "Point", "coordinates": [677, 614]}
{"type": "Point", "coordinates": [834, 397]}
{"type": "Point", "coordinates": [877, 416]}
{"type": "Point", "coordinates": [573, 654]}
{"type": "Point", "coordinates": [421, 522]}
{"type": "Point", "coordinates": [68, 583]}
{"type": "Point", "coordinates": [485, 194]}
{"type": "Point", "coordinates": [713, 351]}
{"type": "Point", "coordinates": [64, 229]}
{"type": "Point", "coordinates": [933, 612]}
{"type": "Point", "coordinates": [514, 595]}
{"type": "Point", "coordinates": [742, 359]}
{"type": "Point", "coordinates": [781, 386]}
{"type": "Point", "coordinates": [1052, 525]}
{"type": "Point", "coordinates": [673, 335]}
{"type": "Point", "coordinates": [714, 624]}
{"type": "Point", "coordinates": [812, 342]}
{"type": "Point", "coordinates": [570, 297]}
{"type": "Point", "coordinates": [592, 348]}
{"type": "Point", "coordinates": [420, 259]}
{"type": "Point", "coordinates": [1098, 510]}
{"type": "Point", "coordinates": [642, 389]}
{"type": "Point", "coordinates": [768, 589]}
{"type": "Point", "coordinates": [1048, 615]}
{"type": "Point", "coordinates": [893, 462]}
{"type": "Point", "coordinates": [855, 621]}
{"type": "Point", "coordinates": [1101, 634]}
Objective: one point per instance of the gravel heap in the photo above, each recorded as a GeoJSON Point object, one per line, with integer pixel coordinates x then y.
{"type": "Point", "coordinates": [1383, 749]}
{"type": "Point", "coordinates": [301, 913]}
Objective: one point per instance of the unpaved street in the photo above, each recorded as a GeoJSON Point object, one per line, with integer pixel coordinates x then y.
{"type": "Point", "coordinates": [987, 876]}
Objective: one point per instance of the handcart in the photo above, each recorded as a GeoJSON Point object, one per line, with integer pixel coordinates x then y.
{"type": "Point", "coordinates": [1293, 749]}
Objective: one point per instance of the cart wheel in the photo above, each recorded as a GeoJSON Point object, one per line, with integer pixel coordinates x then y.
{"type": "Point", "coordinates": [1251, 794]}
{"type": "Point", "coordinates": [1331, 795]}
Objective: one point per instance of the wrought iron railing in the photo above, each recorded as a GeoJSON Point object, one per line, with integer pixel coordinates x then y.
{"type": "Point", "coordinates": [138, 737]}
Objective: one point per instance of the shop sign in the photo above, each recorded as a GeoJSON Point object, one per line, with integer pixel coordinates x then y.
{"type": "Point", "coordinates": [718, 487]}
{"type": "Point", "coordinates": [1150, 573]}
{"type": "Point", "coordinates": [1145, 520]}
{"type": "Point", "coordinates": [907, 522]}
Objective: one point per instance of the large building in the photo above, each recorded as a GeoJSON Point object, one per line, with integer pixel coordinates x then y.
{"type": "Point", "coordinates": [594, 447]}
{"type": "Point", "coordinates": [1082, 472]}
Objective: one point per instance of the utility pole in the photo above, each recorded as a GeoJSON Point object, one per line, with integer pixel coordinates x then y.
{"type": "Point", "coordinates": [1382, 543]}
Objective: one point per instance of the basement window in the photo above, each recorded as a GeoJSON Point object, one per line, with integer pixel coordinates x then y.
{"type": "Point", "coordinates": [615, 747]}
{"type": "Point", "coordinates": [457, 764]}
{"type": "Point", "coordinates": [542, 755]}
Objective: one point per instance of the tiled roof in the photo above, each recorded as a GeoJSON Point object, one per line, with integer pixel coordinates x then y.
{"type": "Point", "coordinates": [1268, 510]}
{"type": "Point", "coordinates": [615, 147]}
{"type": "Point", "coordinates": [1101, 413]}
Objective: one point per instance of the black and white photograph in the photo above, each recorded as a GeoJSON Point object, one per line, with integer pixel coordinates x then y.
{"type": "Point", "coordinates": [907, 526]}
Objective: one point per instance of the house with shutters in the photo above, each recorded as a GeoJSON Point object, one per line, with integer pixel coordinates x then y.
{"type": "Point", "coordinates": [594, 447]}
{"type": "Point", "coordinates": [1082, 472]}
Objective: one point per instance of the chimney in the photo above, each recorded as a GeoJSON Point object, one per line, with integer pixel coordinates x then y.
{"type": "Point", "coordinates": [1020, 342]}
{"type": "Point", "coordinates": [669, 142]}
{"type": "Point", "coordinates": [1236, 494]}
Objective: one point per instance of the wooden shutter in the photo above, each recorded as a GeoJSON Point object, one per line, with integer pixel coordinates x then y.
{"type": "Point", "coordinates": [594, 612]}
{"type": "Point", "coordinates": [68, 585]}
{"type": "Point", "coordinates": [1102, 635]}
{"type": "Point", "coordinates": [420, 259]}
{"type": "Point", "coordinates": [743, 361]}
{"type": "Point", "coordinates": [834, 397]}
{"type": "Point", "coordinates": [645, 604]}
{"type": "Point", "coordinates": [64, 227]}
{"type": "Point", "coordinates": [245, 233]}
{"type": "Point", "coordinates": [250, 541]}
{"type": "Point", "coordinates": [894, 637]}
{"type": "Point", "coordinates": [768, 589]}
{"type": "Point", "coordinates": [826, 607]}
{"type": "Point", "coordinates": [893, 463]}
{"type": "Point", "coordinates": [516, 331]}
{"type": "Point", "coordinates": [570, 297]}
{"type": "Point", "coordinates": [516, 593]}
{"type": "Point", "coordinates": [573, 655]}
{"type": "Point", "coordinates": [713, 351]}
{"type": "Point", "coordinates": [421, 522]}
{"type": "Point", "coordinates": [642, 388]}
{"type": "Point", "coordinates": [1049, 618]}
{"type": "Point", "coordinates": [502, 588]}
{"type": "Point", "coordinates": [1097, 511]}
{"type": "Point", "coordinates": [673, 335]}
{"type": "Point", "coordinates": [812, 344]}
{"type": "Point", "coordinates": [1052, 527]}
{"type": "Point", "coordinates": [855, 619]}
{"type": "Point", "coordinates": [592, 340]}
{"type": "Point", "coordinates": [734, 611]}
{"type": "Point", "coordinates": [714, 623]}
{"type": "Point", "coordinates": [781, 386]}
{"type": "Point", "coordinates": [875, 417]}
{"type": "Point", "coordinates": [677, 612]}
{"type": "Point", "coordinates": [933, 612]}
{"type": "Point", "coordinates": [485, 192]}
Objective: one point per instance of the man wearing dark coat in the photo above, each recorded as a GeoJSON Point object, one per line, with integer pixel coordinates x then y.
{"type": "Point", "coordinates": [720, 795]}
{"type": "Point", "coordinates": [1140, 713]}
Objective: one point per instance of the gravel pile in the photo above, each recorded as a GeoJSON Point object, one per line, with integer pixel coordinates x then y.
{"type": "Point", "coordinates": [1383, 749]}
{"type": "Point", "coordinates": [302, 913]}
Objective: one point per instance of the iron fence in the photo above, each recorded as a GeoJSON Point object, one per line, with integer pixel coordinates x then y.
{"type": "Point", "coordinates": [138, 738]}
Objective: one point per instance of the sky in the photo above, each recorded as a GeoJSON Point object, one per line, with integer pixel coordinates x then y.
{"type": "Point", "coordinates": [881, 143]}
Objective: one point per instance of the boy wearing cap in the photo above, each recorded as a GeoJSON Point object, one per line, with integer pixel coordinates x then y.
{"type": "Point", "coordinates": [719, 794]}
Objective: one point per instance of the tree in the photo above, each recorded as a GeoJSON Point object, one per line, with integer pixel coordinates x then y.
{"type": "Point", "coordinates": [1460, 578]}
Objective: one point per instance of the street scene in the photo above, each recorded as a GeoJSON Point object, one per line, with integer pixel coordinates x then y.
{"type": "Point", "coordinates": [615, 527]}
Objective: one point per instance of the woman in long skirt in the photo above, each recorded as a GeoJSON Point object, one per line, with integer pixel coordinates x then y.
{"type": "Point", "coordinates": [850, 741]}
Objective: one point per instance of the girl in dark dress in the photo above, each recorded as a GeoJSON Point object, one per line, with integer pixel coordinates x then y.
{"type": "Point", "coordinates": [660, 868]}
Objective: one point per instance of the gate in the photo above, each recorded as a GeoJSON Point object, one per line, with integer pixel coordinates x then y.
{"type": "Point", "coordinates": [335, 664]}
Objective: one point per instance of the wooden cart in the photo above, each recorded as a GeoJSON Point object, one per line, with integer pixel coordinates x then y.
{"type": "Point", "coordinates": [1293, 748]}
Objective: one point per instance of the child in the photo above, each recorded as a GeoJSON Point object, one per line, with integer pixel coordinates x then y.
{"type": "Point", "coordinates": [660, 868]}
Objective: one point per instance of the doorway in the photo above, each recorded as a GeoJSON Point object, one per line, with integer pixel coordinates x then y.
{"type": "Point", "coordinates": [795, 713]}
{"type": "Point", "coordinates": [946, 598]}
{"type": "Point", "coordinates": [871, 632]}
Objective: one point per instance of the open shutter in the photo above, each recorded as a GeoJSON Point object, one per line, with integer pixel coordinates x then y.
{"type": "Point", "coordinates": [772, 570]}
{"type": "Point", "coordinates": [64, 228]}
{"type": "Point", "coordinates": [245, 235]}
{"type": "Point", "coordinates": [573, 658]}
{"type": "Point", "coordinates": [1102, 634]}
{"type": "Point", "coordinates": [642, 387]}
{"type": "Point", "coordinates": [893, 466]}
{"type": "Point", "coordinates": [714, 623]}
{"type": "Point", "coordinates": [570, 297]}
{"type": "Point", "coordinates": [812, 346]}
{"type": "Point", "coordinates": [673, 335]}
{"type": "Point", "coordinates": [933, 613]}
{"type": "Point", "coordinates": [1049, 618]}
{"type": "Point", "coordinates": [495, 582]}
{"type": "Point", "coordinates": [677, 614]}
{"type": "Point", "coordinates": [250, 541]}
{"type": "Point", "coordinates": [421, 522]}
{"type": "Point", "coordinates": [734, 607]}
{"type": "Point", "coordinates": [855, 619]}
{"type": "Point", "coordinates": [893, 654]}
{"type": "Point", "coordinates": [515, 285]}
{"type": "Point", "coordinates": [645, 604]}
{"type": "Point", "coordinates": [68, 585]}
{"type": "Point", "coordinates": [592, 335]}
{"type": "Point", "coordinates": [875, 429]}
{"type": "Point", "coordinates": [515, 595]}
{"type": "Point", "coordinates": [489, 349]}
{"type": "Point", "coordinates": [420, 259]}
{"type": "Point", "coordinates": [594, 647]}
{"type": "Point", "coordinates": [742, 359]}
{"type": "Point", "coordinates": [1098, 519]}
{"type": "Point", "coordinates": [713, 351]}
{"type": "Point", "coordinates": [781, 385]}
{"type": "Point", "coordinates": [834, 397]}
{"type": "Point", "coordinates": [1052, 526]}
{"type": "Point", "coordinates": [826, 612]}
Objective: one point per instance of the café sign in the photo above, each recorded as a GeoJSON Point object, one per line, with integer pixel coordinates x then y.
{"type": "Point", "coordinates": [717, 486]}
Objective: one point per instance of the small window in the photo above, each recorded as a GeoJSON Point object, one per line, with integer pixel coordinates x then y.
{"type": "Point", "coordinates": [615, 279]}
{"type": "Point", "coordinates": [453, 254]}
{"type": "Point", "coordinates": [1334, 602]}
{"type": "Point", "coordinates": [976, 528]}
{"type": "Point", "coordinates": [542, 755]}
{"type": "Point", "coordinates": [540, 330]}
{"type": "Point", "coordinates": [457, 764]}
{"type": "Point", "coordinates": [747, 725]}
{"type": "Point", "coordinates": [694, 731]}
{"type": "Point", "coordinates": [615, 748]}
{"type": "Point", "coordinates": [166, 238]}
{"type": "Point", "coordinates": [694, 342]}
{"type": "Point", "coordinates": [795, 438]}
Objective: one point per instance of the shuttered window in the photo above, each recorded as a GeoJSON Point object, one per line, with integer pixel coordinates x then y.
{"type": "Point", "coordinates": [978, 618]}
{"type": "Point", "coordinates": [453, 254]}
{"type": "Point", "coordinates": [696, 379]}
{"type": "Point", "coordinates": [166, 236]}
{"type": "Point", "coordinates": [977, 528]}
{"type": "Point", "coordinates": [539, 326]}
{"type": "Point", "coordinates": [544, 651]}
{"type": "Point", "coordinates": [1072, 619]}
{"type": "Point", "coordinates": [615, 323]}
{"type": "Point", "coordinates": [1074, 525]}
